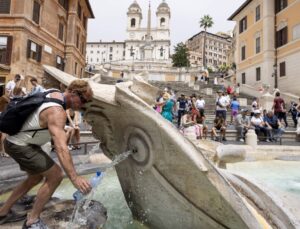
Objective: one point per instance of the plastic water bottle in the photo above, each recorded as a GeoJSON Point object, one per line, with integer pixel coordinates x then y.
{"type": "Point", "coordinates": [94, 182]}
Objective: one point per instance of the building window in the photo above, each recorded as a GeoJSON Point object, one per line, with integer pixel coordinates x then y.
{"type": "Point", "coordinates": [257, 45]}
{"type": "Point", "coordinates": [77, 40]}
{"type": "Point", "coordinates": [257, 13]}
{"type": "Point", "coordinates": [84, 22]}
{"type": "Point", "coordinates": [75, 70]}
{"type": "Point", "coordinates": [110, 56]}
{"type": "Point", "coordinates": [282, 69]}
{"type": "Point", "coordinates": [162, 22]}
{"type": "Point", "coordinates": [4, 6]}
{"type": "Point", "coordinates": [61, 31]}
{"type": "Point", "coordinates": [132, 23]}
{"type": "Point", "coordinates": [34, 51]}
{"type": "Point", "coordinates": [79, 11]}
{"type": "Point", "coordinates": [258, 74]}
{"type": "Point", "coordinates": [280, 5]}
{"type": "Point", "coordinates": [243, 78]}
{"type": "Point", "coordinates": [296, 32]}
{"type": "Point", "coordinates": [5, 49]}
{"type": "Point", "coordinates": [243, 24]}
{"type": "Point", "coordinates": [243, 53]}
{"type": "Point", "coordinates": [110, 49]}
{"type": "Point", "coordinates": [36, 12]}
{"type": "Point", "coordinates": [60, 63]}
{"type": "Point", "coordinates": [64, 3]}
{"type": "Point", "coordinates": [282, 37]}
{"type": "Point", "coordinates": [82, 47]}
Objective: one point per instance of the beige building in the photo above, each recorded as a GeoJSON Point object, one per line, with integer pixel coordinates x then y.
{"type": "Point", "coordinates": [216, 49]}
{"type": "Point", "coordinates": [268, 43]}
{"type": "Point", "coordinates": [37, 32]}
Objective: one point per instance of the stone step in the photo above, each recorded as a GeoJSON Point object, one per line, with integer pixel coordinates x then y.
{"type": "Point", "coordinates": [288, 136]}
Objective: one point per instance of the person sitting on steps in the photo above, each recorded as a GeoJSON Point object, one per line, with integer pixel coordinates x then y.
{"type": "Point", "coordinates": [219, 124]}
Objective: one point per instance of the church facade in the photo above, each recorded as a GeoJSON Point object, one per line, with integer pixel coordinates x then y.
{"type": "Point", "coordinates": [141, 44]}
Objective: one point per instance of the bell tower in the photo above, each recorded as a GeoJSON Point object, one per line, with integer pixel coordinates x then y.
{"type": "Point", "coordinates": [134, 17]}
{"type": "Point", "coordinates": [163, 15]}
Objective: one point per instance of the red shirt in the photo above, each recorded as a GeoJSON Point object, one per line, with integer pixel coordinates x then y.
{"type": "Point", "coordinates": [278, 104]}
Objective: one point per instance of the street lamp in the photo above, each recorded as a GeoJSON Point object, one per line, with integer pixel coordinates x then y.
{"type": "Point", "coordinates": [275, 76]}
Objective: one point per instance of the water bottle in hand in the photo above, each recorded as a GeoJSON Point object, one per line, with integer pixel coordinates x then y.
{"type": "Point", "coordinates": [94, 182]}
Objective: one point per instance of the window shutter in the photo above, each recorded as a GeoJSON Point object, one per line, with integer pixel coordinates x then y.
{"type": "Point", "coordinates": [276, 6]}
{"type": "Point", "coordinates": [282, 69]}
{"type": "Point", "coordinates": [9, 50]}
{"type": "Point", "coordinates": [36, 12]}
{"type": "Point", "coordinates": [39, 53]}
{"type": "Point", "coordinates": [284, 35]}
{"type": "Point", "coordinates": [28, 48]}
{"type": "Point", "coordinates": [5, 6]}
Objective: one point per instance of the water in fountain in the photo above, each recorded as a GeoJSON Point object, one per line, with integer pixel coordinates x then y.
{"type": "Point", "coordinates": [79, 217]}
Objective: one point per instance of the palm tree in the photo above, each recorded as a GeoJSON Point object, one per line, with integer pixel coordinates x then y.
{"type": "Point", "coordinates": [205, 22]}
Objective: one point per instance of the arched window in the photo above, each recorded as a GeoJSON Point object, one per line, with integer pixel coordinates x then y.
{"type": "Point", "coordinates": [132, 22]}
{"type": "Point", "coordinates": [162, 22]}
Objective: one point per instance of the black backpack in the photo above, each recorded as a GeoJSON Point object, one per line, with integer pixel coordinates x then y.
{"type": "Point", "coordinates": [19, 109]}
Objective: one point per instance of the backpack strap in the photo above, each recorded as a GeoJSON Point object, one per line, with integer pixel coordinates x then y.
{"type": "Point", "coordinates": [47, 100]}
{"type": "Point", "coordinates": [58, 101]}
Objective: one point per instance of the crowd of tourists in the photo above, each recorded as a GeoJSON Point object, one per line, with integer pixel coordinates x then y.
{"type": "Point", "coordinates": [188, 113]}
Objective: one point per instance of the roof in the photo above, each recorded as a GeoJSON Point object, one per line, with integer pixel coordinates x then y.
{"type": "Point", "coordinates": [163, 4]}
{"type": "Point", "coordinates": [212, 34]}
{"type": "Point", "coordinates": [246, 3]}
{"type": "Point", "coordinates": [134, 5]}
{"type": "Point", "coordinates": [90, 8]}
{"type": "Point", "coordinates": [104, 42]}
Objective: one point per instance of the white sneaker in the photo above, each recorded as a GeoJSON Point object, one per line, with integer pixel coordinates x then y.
{"type": "Point", "coordinates": [241, 140]}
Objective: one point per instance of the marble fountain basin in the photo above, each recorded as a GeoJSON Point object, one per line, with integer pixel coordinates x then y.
{"type": "Point", "coordinates": [168, 177]}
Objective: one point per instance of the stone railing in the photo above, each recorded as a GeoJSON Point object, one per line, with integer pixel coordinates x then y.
{"type": "Point", "coordinates": [259, 92]}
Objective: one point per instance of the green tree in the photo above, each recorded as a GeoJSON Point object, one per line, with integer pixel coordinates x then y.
{"type": "Point", "coordinates": [181, 56]}
{"type": "Point", "coordinates": [206, 22]}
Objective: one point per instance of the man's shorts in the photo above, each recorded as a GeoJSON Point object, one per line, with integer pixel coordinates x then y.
{"type": "Point", "coordinates": [31, 158]}
{"type": "Point", "coordinates": [221, 113]}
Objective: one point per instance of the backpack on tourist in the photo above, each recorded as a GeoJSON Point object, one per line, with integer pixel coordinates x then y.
{"type": "Point", "coordinates": [19, 109]}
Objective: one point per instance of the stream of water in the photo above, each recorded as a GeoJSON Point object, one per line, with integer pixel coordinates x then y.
{"type": "Point", "coordinates": [109, 193]}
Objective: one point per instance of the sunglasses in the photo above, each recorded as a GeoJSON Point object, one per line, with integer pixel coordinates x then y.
{"type": "Point", "coordinates": [82, 99]}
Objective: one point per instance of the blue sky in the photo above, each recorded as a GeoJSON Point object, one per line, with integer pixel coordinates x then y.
{"type": "Point", "coordinates": [111, 19]}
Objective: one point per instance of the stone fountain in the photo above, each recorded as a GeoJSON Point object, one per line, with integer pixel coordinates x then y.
{"type": "Point", "coordinates": [168, 182]}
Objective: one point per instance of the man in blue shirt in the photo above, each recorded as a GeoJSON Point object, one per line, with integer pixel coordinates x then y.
{"type": "Point", "coordinates": [36, 87]}
{"type": "Point", "coordinates": [274, 127]}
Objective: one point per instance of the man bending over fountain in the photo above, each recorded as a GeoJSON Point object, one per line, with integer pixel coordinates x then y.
{"type": "Point", "coordinates": [25, 148]}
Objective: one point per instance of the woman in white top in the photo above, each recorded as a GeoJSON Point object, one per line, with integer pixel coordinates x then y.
{"type": "Point", "coordinates": [258, 124]}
